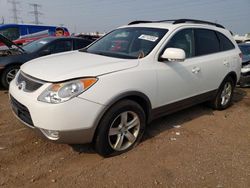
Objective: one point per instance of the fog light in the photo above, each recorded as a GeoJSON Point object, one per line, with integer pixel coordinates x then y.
{"type": "Point", "coordinates": [51, 134]}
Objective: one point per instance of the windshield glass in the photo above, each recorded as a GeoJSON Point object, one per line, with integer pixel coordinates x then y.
{"type": "Point", "coordinates": [36, 45]}
{"type": "Point", "coordinates": [245, 50]}
{"type": "Point", "coordinates": [128, 43]}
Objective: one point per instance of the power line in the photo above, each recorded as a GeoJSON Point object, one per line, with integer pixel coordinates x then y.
{"type": "Point", "coordinates": [14, 10]}
{"type": "Point", "coordinates": [36, 13]}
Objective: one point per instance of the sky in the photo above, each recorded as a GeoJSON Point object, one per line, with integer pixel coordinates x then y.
{"type": "Point", "coordinates": [105, 15]}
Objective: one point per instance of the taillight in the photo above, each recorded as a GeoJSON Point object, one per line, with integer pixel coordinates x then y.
{"type": "Point", "coordinates": [241, 56]}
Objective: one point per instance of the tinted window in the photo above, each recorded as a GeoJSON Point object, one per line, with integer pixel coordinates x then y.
{"type": "Point", "coordinates": [206, 42]}
{"type": "Point", "coordinates": [81, 44]}
{"type": "Point", "coordinates": [184, 40]}
{"type": "Point", "coordinates": [225, 43]}
{"type": "Point", "coordinates": [62, 46]}
{"type": "Point", "coordinates": [37, 44]}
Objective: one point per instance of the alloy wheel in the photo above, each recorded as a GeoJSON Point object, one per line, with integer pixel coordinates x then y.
{"type": "Point", "coordinates": [11, 75]}
{"type": "Point", "coordinates": [226, 93]}
{"type": "Point", "coordinates": [124, 130]}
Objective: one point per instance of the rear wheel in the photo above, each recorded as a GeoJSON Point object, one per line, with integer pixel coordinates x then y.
{"type": "Point", "coordinates": [8, 75]}
{"type": "Point", "coordinates": [224, 96]}
{"type": "Point", "coordinates": [120, 129]}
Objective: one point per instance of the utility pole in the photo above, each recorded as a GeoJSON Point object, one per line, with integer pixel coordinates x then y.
{"type": "Point", "coordinates": [36, 13]}
{"type": "Point", "coordinates": [14, 9]}
{"type": "Point", "coordinates": [2, 20]}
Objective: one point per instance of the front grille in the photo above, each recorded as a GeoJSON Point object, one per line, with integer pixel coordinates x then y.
{"type": "Point", "coordinates": [21, 111]}
{"type": "Point", "coordinates": [30, 84]}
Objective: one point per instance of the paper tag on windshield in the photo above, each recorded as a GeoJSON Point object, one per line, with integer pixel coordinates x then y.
{"type": "Point", "coordinates": [43, 42]}
{"type": "Point", "coordinates": [148, 37]}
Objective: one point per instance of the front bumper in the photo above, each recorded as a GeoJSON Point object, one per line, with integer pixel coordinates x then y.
{"type": "Point", "coordinates": [73, 121]}
{"type": "Point", "coordinates": [245, 77]}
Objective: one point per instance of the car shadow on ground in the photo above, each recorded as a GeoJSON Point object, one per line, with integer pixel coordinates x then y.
{"type": "Point", "coordinates": [170, 121]}
{"type": "Point", "coordinates": [181, 117]}
{"type": "Point", "coordinates": [2, 89]}
{"type": "Point", "coordinates": [239, 94]}
{"type": "Point", "coordinates": [83, 148]}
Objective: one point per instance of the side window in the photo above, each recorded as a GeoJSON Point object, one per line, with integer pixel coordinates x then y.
{"type": "Point", "coordinates": [81, 44]}
{"type": "Point", "coordinates": [62, 46]}
{"type": "Point", "coordinates": [225, 43]}
{"type": "Point", "coordinates": [206, 42]}
{"type": "Point", "coordinates": [183, 39]}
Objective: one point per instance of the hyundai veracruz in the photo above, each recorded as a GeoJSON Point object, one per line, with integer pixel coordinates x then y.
{"type": "Point", "coordinates": [108, 92]}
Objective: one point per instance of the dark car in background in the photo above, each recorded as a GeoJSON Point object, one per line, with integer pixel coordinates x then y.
{"type": "Point", "coordinates": [88, 37]}
{"type": "Point", "coordinates": [13, 56]}
{"type": "Point", "coordinates": [245, 70]}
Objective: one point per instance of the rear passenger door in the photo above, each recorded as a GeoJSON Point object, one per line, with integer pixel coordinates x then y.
{"type": "Point", "coordinates": [211, 59]}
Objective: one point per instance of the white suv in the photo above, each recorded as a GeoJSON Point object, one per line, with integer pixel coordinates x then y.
{"type": "Point", "coordinates": [108, 92]}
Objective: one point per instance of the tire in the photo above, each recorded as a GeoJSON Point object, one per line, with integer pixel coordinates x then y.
{"type": "Point", "coordinates": [224, 95]}
{"type": "Point", "coordinates": [114, 134]}
{"type": "Point", "coordinates": [7, 75]}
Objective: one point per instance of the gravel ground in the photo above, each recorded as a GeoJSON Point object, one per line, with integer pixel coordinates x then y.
{"type": "Point", "coordinates": [197, 147]}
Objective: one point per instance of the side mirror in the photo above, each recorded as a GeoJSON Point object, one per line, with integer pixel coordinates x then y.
{"type": "Point", "coordinates": [174, 54]}
{"type": "Point", "coordinates": [45, 52]}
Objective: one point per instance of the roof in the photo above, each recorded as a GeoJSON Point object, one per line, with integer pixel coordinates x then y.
{"type": "Point", "coordinates": [168, 24]}
{"type": "Point", "coordinates": [178, 21]}
{"type": "Point", "coordinates": [63, 37]}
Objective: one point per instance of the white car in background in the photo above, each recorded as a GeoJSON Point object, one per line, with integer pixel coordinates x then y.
{"type": "Point", "coordinates": [108, 92]}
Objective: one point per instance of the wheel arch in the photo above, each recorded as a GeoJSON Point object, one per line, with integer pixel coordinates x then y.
{"type": "Point", "coordinates": [135, 96]}
{"type": "Point", "coordinates": [4, 69]}
{"type": "Point", "coordinates": [233, 75]}
{"type": "Point", "coordinates": [11, 65]}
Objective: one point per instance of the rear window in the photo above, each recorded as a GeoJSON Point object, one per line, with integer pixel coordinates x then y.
{"type": "Point", "coordinates": [79, 43]}
{"type": "Point", "coordinates": [206, 42]}
{"type": "Point", "coordinates": [225, 43]}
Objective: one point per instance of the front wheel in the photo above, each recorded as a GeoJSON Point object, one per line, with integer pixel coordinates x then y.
{"type": "Point", "coordinates": [224, 96]}
{"type": "Point", "coordinates": [8, 75]}
{"type": "Point", "coordinates": [120, 129]}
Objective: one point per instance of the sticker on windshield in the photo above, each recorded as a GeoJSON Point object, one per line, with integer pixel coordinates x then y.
{"type": "Point", "coordinates": [148, 37]}
{"type": "Point", "coordinates": [43, 42]}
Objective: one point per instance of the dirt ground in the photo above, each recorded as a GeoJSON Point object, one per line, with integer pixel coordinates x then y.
{"type": "Point", "coordinates": [197, 147]}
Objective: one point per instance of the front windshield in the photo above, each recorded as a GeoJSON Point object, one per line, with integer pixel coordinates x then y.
{"type": "Point", "coordinates": [128, 43]}
{"type": "Point", "coordinates": [36, 45]}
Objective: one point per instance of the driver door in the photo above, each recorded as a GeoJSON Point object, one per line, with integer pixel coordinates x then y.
{"type": "Point", "coordinates": [178, 81]}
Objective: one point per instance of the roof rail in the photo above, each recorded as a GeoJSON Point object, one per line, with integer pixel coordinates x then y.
{"type": "Point", "coordinates": [178, 21]}
{"type": "Point", "coordinates": [140, 21]}
{"type": "Point", "coordinates": [197, 21]}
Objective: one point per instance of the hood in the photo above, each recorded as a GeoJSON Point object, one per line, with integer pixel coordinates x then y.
{"type": "Point", "coordinates": [70, 65]}
{"type": "Point", "coordinates": [9, 43]}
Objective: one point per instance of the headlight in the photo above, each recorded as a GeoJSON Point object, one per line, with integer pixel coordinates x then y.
{"type": "Point", "coordinates": [245, 69]}
{"type": "Point", "coordinates": [61, 92]}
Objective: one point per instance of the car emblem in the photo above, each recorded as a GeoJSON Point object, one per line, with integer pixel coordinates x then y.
{"type": "Point", "coordinates": [21, 85]}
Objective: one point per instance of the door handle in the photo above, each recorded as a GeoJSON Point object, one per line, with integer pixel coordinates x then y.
{"type": "Point", "coordinates": [226, 63]}
{"type": "Point", "coordinates": [196, 70]}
